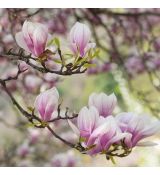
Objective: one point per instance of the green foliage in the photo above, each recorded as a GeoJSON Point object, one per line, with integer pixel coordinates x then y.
{"type": "Point", "coordinates": [54, 41]}
{"type": "Point", "coordinates": [57, 42]}
{"type": "Point", "coordinates": [89, 65]}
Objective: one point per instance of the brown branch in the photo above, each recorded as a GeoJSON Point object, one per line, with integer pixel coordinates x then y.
{"type": "Point", "coordinates": [32, 118]}
{"type": "Point", "coordinates": [60, 138]}
{"type": "Point", "coordinates": [14, 77]}
{"type": "Point", "coordinates": [44, 69]}
{"type": "Point", "coordinates": [64, 118]}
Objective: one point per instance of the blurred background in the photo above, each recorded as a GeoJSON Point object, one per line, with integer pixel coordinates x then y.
{"type": "Point", "coordinates": [128, 65]}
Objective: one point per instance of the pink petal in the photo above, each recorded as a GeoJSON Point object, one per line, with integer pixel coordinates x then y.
{"type": "Point", "coordinates": [40, 36]}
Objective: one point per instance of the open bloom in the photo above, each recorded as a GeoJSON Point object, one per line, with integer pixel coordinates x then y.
{"type": "Point", "coordinates": [97, 132]}
{"type": "Point", "coordinates": [33, 37]}
{"type": "Point", "coordinates": [139, 128]}
{"type": "Point", "coordinates": [104, 136]}
{"type": "Point", "coordinates": [46, 103]}
{"type": "Point", "coordinates": [100, 132]}
{"type": "Point", "coordinates": [79, 39]}
{"type": "Point", "coordinates": [86, 121]}
{"type": "Point", "coordinates": [105, 104]}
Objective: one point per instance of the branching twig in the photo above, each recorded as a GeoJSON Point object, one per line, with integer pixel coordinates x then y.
{"type": "Point", "coordinates": [43, 68]}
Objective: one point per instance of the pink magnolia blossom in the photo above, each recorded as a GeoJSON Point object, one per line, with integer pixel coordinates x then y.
{"type": "Point", "coordinates": [86, 121]}
{"type": "Point", "coordinates": [79, 37]}
{"type": "Point", "coordinates": [104, 136]}
{"type": "Point", "coordinates": [97, 131]}
{"type": "Point", "coordinates": [46, 103]}
{"type": "Point", "coordinates": [33, 38]}
{"type": "Point", "coordinates": [105, 104]}
{"type": "Point", "coordinates": [139, 127]}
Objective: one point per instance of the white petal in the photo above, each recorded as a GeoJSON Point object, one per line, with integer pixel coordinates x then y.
{"type": "Point", "coordinates": [21, 42]}
{"type": "Point", "coordinates": [147, 143]}
{"type": "Point", "coordinates": [74, 128]}
{"type": "Point", "coordinates": [152, 129]}
{"type": "Point", "coordinates": [90, 46]}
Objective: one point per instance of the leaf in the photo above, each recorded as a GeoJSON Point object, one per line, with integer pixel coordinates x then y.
{"type": "Point", "coordinates": [69, 54]}
{"type": "Point", "coordinates": [58, 61]}
{"type": "Point", "coordinates": [51, 42]}
{"type": "Point", "coordinates": [96, 53]}
{"type": "Point", "coordinates": [79, 61]}
{"type": "Point", "coordinates": [57, 42]}
{"type": "Point", "coordinates": [82, 139]}
{"type": "Point", "coordinates": [54, 41]}
{"type": "Point", "coordinates": [29, 125]}
{"type": "Point", "coordinates": [112, 159]}
{"type": "Point", "coordinates": [31, 109]}
{"type": "Point", "coordinates": [88, 65]}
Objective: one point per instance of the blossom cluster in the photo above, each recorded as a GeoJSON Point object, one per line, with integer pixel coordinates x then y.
{"type": "Point", "coordinates": [35, 38]}
{"type": "Point", "coordinates": [100, 132]}
{"type": "Point", "coordinates": [127, 43]}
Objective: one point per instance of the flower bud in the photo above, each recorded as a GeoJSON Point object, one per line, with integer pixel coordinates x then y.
{"type": "Point", "coordinates": [79, 39]}
{"type": "Point", "coordinates": [32, 38]}
{"type": "Point", "coordinates": [104, 103]}
{"type": "Point", "coordinates": [46, 103]}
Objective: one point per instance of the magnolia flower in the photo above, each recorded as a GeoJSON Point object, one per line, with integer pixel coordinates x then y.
{"type": "Point", "coordinates": [46, 103]}
{"type": "Point", "coordinates": [32, 38]}
{"type": "Point", "coordinates": [96, 131]}
{"type": "Point", "coordinates": [79, 39]}
{"type": "Point", "coordinates": [86, 121]}
{"type": "Point", "coordinates": [104, 136]}
{"type": "Point", "coordinates": [104, 103]}
{"type": "Point", "coordinates": [139, 128]}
